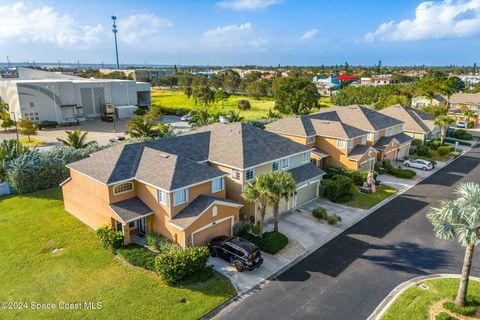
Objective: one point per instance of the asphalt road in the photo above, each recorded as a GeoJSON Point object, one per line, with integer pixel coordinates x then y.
{"type": "Point", "coordinates": [348, 277]}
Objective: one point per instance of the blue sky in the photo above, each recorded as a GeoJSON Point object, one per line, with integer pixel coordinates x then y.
{"type": "Point", "coordinates": [238, 32]}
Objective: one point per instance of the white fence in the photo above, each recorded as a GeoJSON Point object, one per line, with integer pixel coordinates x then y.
{"type": "Point", "coordinates": [4, 188]}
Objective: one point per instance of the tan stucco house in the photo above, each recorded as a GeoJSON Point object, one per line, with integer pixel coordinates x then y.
{"type": "Point", "coordinates": [186, 188]}
{"type": "Point", "coordinates": [459, 102]}
{"type": "Point", "coordinates": [354, 137]}
{"type": "Point", "coordinates": [423, 101]}
{"type": "Point", "coordinates": [417, 124]}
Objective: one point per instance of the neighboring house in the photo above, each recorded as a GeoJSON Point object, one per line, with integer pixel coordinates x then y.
{"type": "Point", "coordinates": [417, 124]}
{"type": "Point", "coordinates": [422, 101]}
{"type": "Point", "coordinates": [459, 102]}
{"type": "Point", "coordinates": [377, 80]}
{"type": "Point", "coordinates": [186, 188]}
{"type": "Point", "coordinates": [354, 136]}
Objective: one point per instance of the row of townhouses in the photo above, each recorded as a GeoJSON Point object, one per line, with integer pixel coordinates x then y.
{"type": "Point", "coordinates": [188, 188]}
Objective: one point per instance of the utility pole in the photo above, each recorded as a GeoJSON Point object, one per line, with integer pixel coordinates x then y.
{"type": "Point", "coordinates": [114, 18]}
{"type": "Point", "coordinates": [8, 61]}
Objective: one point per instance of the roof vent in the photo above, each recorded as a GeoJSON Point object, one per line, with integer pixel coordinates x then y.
{"type": "Point", "coordinates": [163, 155]}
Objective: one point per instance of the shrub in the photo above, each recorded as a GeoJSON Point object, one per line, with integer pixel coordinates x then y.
{"type": "Point", "coordinates": [244, 104]}
{"type": "Point", "coordinates": [174, 266]}
{"type": "Point", "coordinates": [140, 111]}
{"type": "Point", "coordinates": [461, 134]}
{"type": "Point", "coordinates": [333, 219]}
{"type": "Point", "coordinates": [339, 189]}
{"type": "Point", "coordinates": [138, 256]}
{"type": "Point", "coordinates": [358, 176]}
{"type": "Point", "coordinates": [471, 124]}
{"type": "Point", "coordinates": [109, 237]}
{"type": "Point", "coordinates": [444, 150]}
{"type": "Point", "coordinates": [160, 243]}
{"type": "Point", "coordinates": [271, 242]}
{"type": "Point", "coordinates": [423, 151]}
{"type": "Point", "coordinates": [443, 316]}
{"type": "Point", "coordinates": [416, 142]}
{"type": "Point", "coordinates": [468, 310]}
{"type": "Point", "coordinates": [181, 112]}
{"type": "Point", "coordinates": [462, 143]}
{"type": "Point", "coordinates": [398, 172]}
{"type": "Point", "coordinates": [434, 144]}
{"type": "Point", "coordinates": [241, 228]}
{"type": "Point", "coordinates": [320, 213]}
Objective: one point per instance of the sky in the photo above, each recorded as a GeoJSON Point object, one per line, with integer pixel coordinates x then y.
{"type": "Point", "coordinates": [241, 32]}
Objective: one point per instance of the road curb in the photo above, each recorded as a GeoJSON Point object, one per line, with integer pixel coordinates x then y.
{"type": "Point", "coordinates": [306, 253]}
{"type": "Point", "coordinates": [398, 290]}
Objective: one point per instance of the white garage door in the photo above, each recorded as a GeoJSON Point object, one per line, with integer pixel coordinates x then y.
{"type": "Point", "coordinates": [402, 152]}
{"type": "Point", "coordinates": [307, 193]}
{"type": "Point", "coordinates": [282, 207]}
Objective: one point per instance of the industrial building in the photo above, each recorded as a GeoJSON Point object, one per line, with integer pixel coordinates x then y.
{"type": "Point", "coordinates": [144, 74]}
{"type": "Point", "coordinates": [48, 96]}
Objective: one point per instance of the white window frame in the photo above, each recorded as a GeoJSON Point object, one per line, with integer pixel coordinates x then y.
{"type": "Point", "coordinates": [341, 143]}
{"type": "Point", "coordinates": [161, 196]}
{"type": "Point", "coordinates": [246, 174]}
{"type": "Point", "coordinates": [364, 139]}
{"type": "Point", "coordinates": [311, 139]}
{"type": "Point", "coordinates": [306, 156]}
{"type": "Point", "coordinates": [285, 163]}
{"type": "Point", "coordinates": [275, 164]}
{"type": "Point", "coordinates": [389, 132]}
{"type": "Point", "coordinates": [222, 185]}
{"type": "Point", "coordinates": [184, 197]}
{"type": "Point", "coordinates": [134, 225]}
{"type": "Point", "coordinates": [123, 184]}
{"type": "Point", "coordinates": [350, 143]}
{"type": "Point", "coordinates": [236, 174]}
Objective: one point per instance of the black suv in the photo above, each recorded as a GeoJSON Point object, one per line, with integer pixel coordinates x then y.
{"type": "Point", "coordinates": [241, 253]}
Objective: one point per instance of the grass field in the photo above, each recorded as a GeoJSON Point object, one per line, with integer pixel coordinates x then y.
{"type": "Point", "coordinates": [414, 303]}
{"type": "Point", "coordinates": [36, 224]}
{"type": "Point", "coordinates": [175, 99]}
{"type": "Point", "coordinates": [368, 200]}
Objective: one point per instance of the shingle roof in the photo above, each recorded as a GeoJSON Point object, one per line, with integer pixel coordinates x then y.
{"type": "Point", "coordinates": [415, 120]}
{"type": "Point", "coordinates": [383, 142]}
{"type": "Point", "coordinates": [174, 162]}
{"type": "Point", "coordinates": [190, 213]}
{"type": "Point", "coordinates": [320, 153]}
{"type": "Point", "coordinates": [473, 98]}
{"type": "Point", "coordinates": [131, 209]}
{"type": "Point", "coordinates": [306, 172]}
{"type": "Point", "coordinates": [358, 152]}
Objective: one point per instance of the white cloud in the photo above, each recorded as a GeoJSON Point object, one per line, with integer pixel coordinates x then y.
{"type": "Point", "coordinates": [246, 4]}
{"type": "Point", "coordinates": [141, 28]}
{"type": "Point", "coordinates": [309, 34]}
{"type": "Point", "coordinates": [447, 19]}
{"type": "Point", "coordinates": [234, 36]}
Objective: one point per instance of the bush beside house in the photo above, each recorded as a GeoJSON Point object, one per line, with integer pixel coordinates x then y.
{"type": "Point", "coordinates": [138, 256]}
{"type": "Point", "coordinates": [174, 266]}
{"type": "Point", "coordinates": [338, 189]}
{"type": "Point", "coordinates": [398, 172]}
{"type": "Point", "coordinates": [110, 238]}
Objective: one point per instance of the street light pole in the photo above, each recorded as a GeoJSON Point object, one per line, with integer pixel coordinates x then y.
{"type": "Point", "coordinates": [114, 18]}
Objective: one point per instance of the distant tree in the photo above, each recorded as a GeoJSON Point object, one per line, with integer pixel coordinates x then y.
{"type": "Point", "coordinates": [244, 104]}
{"type": "Point", "coordinates": [392, 100]}
{"type": "Point", "coordinates": [259, 88]}
{"type": "Point", "coordinates": [203, 94]}
{"type": "Point", "coordinates": [221, 96]}
{"type": "Point", "coordinates": [6, 120]}
{"type": "Point", "coordinates": [231, 81]}
{"type": "Point", "coordinates": [188, 92]}
{"type": "Point", "coordinates": [199, 80]}
{"type": "Point", "coordinates": [185, 80]}
{"type": "Point", "coordinates": [146, 127]}
{"type": "Point", "coordinates": [294, 96]}
{"type": "Point", "coordinates": [443, 121]}
{"type": "Point", "coordinates": [202, 118]}
{"type": "Point", "coordinates": [469, 114]}
{"type": "Point", "coordinates": [26, 128]}
{"type": "Point", "coordinates": [216, 81]}
{"type": "Point", "coordinates": [76, 139]}
{"type": "Point", "coordinates": [435, 110]}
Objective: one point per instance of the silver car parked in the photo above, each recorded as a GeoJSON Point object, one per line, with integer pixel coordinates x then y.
{"type": "Point", "coordinates": [419, 164]}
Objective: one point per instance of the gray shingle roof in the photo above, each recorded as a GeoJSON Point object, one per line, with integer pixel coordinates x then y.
{"type": "Point", "coordinates": [415, 120]}
{"type": "Point", "coordinates": [190, 213]}
{"type": "Point", "coordinates": [306, 172]}
{"type": "Point", "coordinates": [320, 153]}
{"type": "Point", "coordinates": [131, 209]}
{"type": "Point", "coordinates": [383, 142]}
{"type": "Point", "coordinates": [467, 98]}
{"type": "Point", "coordinates": [358, 152]}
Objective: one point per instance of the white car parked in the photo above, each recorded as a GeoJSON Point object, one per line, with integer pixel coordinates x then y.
{"type": "Point", "coordinates": [462, 124]}
{"type": "Point", "coordinates": [419, 164]}
{"type": "Point", "coordinates": [186, 118]}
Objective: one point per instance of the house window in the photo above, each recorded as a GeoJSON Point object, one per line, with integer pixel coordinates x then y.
{"type": "Point", "coordinates": [306, 156]}
{"type": "Point", "coordinates": [32, 104]}
{"type": "Point", "coordinates": [364, 139]}
{"type": "Point", "coordinates": [217, 185]}
{"type": "Point", "coordinates": [310, 140]}
{"type": "Point", "coordinates": [249, 174]}
{"type": "Point", "coordinates": [341, 143]}
{"type": "Point", "coordinates": [389, 132]}
{"type": "Point", "coordinates": [122, 188]}
{"type": "Point", "coordinates": [350, 144]}
{"type": "Point", "coordinates": [236, 174]}
{"type": "Point", "coordinates": [180, 197]}
{"type": "Point", "coordinates": [275, 165]}
{"type": "Point", "coordinates": [162, 196]}
{"type": "Point", "coordinates": [214, 211]}
{"type": "Point", "coordinates": [285, 163]}
{"type": "Point", "coordinates": [132, 225]}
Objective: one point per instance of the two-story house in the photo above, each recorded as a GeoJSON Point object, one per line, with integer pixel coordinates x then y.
{"type": "Point", "coordinates": [417, 124]}
{"type": "Point", "coordinates": [186, 188]}
{"type": "Point", "coordinates": [459, 102]}
{"type": "Point", "coordinates": [353, 137]}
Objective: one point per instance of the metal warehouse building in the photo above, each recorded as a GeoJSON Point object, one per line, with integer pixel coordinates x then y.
{"type": "Point", "coordinates": [41, 95]}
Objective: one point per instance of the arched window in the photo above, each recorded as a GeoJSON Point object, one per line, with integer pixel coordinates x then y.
{"type": "Point", "coordinates": [123, 187]}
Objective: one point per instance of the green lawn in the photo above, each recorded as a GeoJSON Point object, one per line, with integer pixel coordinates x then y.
{"type": "Point", "coordinates": [414, 303]}
{"type": "Point", "coordinates": [176, 99]}
{"type": "Point", "coordinates": [34, 225]}
{"type": "Point", "coordinates": [368, 200]}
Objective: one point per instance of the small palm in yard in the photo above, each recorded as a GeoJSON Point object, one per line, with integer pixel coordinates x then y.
{"type": "Point", "coordinates": [279, 185]}
{"type": "Point", "coordinates": [443, 121]}
{"type": "Point", "coordinates": [469, 114]}
{"type": "Point", "coordinates": [76, 139]}
{"type": "Point", "coordinates": [257, 193]}
{"type": "Point", "coordinates": [459, 220]}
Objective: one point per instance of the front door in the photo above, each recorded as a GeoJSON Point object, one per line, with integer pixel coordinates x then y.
{"type": "Point", "coordinates": [143, 226]}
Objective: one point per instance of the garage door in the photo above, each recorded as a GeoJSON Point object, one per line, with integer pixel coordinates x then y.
{"type": "Point", "coordinates": [282, 207]}
{"type": "Point", "coordinates": [402, 152]}
{"type": "Point", "coordinates": [202, 237]}
{"type": "Point", "coordinates": [307, 193]}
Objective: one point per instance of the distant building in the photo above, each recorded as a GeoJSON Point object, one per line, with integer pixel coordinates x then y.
{"type": "Point", "coordinates": [347, 78]}
{"type": "Point", "coordinates": [470, 79]}
{"type": "Point", "coordinates": [422, 101]}
{"type": "Point", "coordinates": [377, 80]}
{"type": "Point", "coordinates": [40, 96]}
{"type": "Point", "coordinates": [326, 85]}
{"type": "Point", "coordinates": [459, 102]}
{"type": "Point", "coordinates": [144, 75]}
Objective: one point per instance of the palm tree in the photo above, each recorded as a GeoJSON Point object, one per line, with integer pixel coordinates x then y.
{"type": "Point", "coordinates": [76, 139]}
{"type": "Point", "coordinates": [443, 121]}
{"type": "Point", "coordinates": [258, 194]}
{"type": "Point", "coordinates": [202, 118]}
{"type": "Point", "coordinates": [233, 116]}
{"type": "Point", "coordinates": [279, 185]}
{"type": "Point", "coordinates": [469, 114]}
{"type": "Point", "coordinates": [459, 220]}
